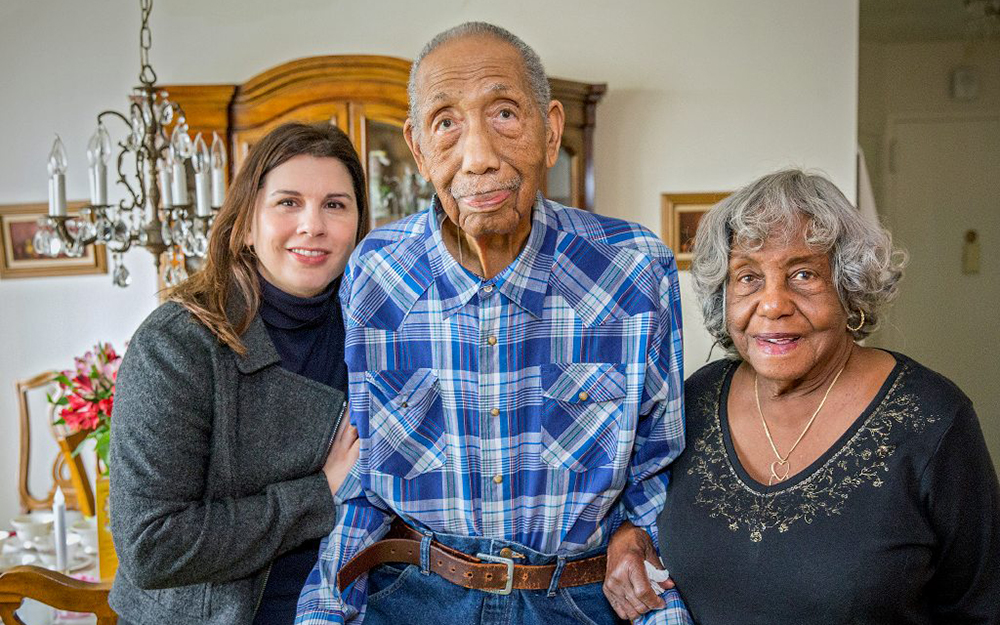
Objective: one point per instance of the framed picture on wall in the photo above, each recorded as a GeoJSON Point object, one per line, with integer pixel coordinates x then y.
{"type": "Point", "coordinates": [20, 259]}
{"type": "Point", "coordinates": [681, 213]}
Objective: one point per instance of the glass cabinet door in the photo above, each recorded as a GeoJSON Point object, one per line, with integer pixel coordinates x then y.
{"type": "Point", "coordinates": [395, 187]}
{"type": "Point", "coordinates": [559, 182]}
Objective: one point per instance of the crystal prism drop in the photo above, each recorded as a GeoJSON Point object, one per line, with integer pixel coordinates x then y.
{"type": "Point", "coordinates": [187, 244]}
{"type": "Point", "coordinates": [41, 242]}
{"type": "Point", "coordinates": [104, 230]}
{"type": "Point", "coordinates": [122, 278]}
{"type": "Point", "coordinates": [120, 230]}
{"type": "Point", "coordinates": [74, 249]}
{"type": "Point", "coordinates": [166, 113]}
{"type": "Point", "coordinates": [199, 245]}
{"type": "Point", "coordinates": [165, 233]}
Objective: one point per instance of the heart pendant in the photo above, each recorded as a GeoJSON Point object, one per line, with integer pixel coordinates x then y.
{"type": "Point", "coordinates": [775, 477]}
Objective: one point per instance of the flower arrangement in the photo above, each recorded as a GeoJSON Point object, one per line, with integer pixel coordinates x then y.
{"type": "Point", "coordinates": [87, 396]}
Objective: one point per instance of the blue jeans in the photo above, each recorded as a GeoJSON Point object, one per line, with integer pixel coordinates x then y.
{"type": "Point", "coordinates": [405, 595]}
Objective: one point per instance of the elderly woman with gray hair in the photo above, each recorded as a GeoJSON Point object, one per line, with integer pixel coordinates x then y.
{"type": "Point", "coordinates": [823, 481]}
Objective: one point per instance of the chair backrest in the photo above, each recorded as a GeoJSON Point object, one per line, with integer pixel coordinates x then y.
{"type": "Point", "coordinates": [68, 471]}
{"type": "Point", "coordinates": [53, 589]}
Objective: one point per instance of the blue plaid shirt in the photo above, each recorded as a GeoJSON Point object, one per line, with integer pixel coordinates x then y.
{"type": "Point", "coordinates": [541, 406]}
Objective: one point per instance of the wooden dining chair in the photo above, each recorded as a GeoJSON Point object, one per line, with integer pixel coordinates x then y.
{"type": "Point", "coordinates": [76, 485]}
{"type": "Point", "coordinates": [52, 589]}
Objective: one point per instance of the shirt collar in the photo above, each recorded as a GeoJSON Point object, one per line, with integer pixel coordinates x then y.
{"type": "Point", "coordinates": [524, 281]}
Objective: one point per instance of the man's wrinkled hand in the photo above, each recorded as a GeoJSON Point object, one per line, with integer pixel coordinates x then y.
{"type": "Point", "coordinates": [626, 584]}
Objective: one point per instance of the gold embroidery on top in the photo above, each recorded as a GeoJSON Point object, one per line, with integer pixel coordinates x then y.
{"type": "Point", "coordinates": [862, 460]}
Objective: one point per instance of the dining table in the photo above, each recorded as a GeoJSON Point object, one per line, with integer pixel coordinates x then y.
{"type": "Point", "coordinates": [81, 564]}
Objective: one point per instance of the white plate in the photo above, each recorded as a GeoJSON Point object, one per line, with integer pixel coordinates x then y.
{"type": "Point", "coordinates": [47, 545]}
{"type": "Point", "coordinates": [79, 561]}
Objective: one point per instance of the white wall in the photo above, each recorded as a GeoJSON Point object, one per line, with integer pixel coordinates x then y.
{"type": "Point", "coordinates": [703, 96]}
{"type": "Point", "coordinates": [897, 79]}
{"type": "Point", "coordinates": [944, 180]}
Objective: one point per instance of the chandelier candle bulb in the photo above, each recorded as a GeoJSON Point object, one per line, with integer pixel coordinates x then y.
{"type": "Point", "coordinates": [98, 154]}
{"type": "Point", "coordinates": [202, 178]}
{"type": "Point", "coordinates": [166, 192]}
{"type": "Point", "coordinates": [59, 523]}
{"type": "Point", "coordinates": [178, 180]}
{"type": "Point", "coordinates": [218, 171]}
{"type": "Point", "coordinates": [57, 179]}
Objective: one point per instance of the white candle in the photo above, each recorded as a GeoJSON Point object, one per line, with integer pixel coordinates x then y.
{"type": "Point", "coordinates": [166, 192]}
{"type": "Point", "coordinates": [218, 187]}
{"type": "Point", "coordinates": [202, 181]}
{"type": "Point", "coordinates": [57, 195]}
{"type": "Point", "coordinates": [203, 194]}
{"type": "Point", "coordinates": [218, 171]}
{"type": "Point", "coordinates": [101, 184]}
{"type": "Point", "coordinates": [59, 521]}
{"type": "Point", "coordinates": [92, 179]}
{"type": "Point", "coordinates": [180, 150]}
{"type": "Point", "coordinates": [98, 153]}
{"type": "Point", "coordinates": [179, 183]}
{"type": "Point", "coordinates": [57, 179]}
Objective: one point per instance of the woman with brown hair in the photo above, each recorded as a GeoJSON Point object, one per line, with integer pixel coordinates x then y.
{"type": "Point", "coordinates": [227, 444]}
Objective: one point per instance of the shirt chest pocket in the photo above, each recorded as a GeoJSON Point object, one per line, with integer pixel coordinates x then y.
{"type": "Point", "coordinates": [406, 423]}
{"type": "Point", "coordinates": [582, 414]}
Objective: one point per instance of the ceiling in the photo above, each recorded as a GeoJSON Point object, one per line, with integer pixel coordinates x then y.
{"type": "Point", "coordinates": [893, 21]}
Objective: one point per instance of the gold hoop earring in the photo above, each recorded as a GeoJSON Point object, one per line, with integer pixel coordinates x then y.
{"type": "Point", "coordinates": [860, 323]}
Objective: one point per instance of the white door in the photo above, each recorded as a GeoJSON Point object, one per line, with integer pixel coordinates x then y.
{"type": "Point", "coordinates": [944, 180]}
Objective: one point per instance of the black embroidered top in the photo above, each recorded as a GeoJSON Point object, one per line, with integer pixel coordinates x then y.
{"type": "Point", "coordinates": [898, 522]}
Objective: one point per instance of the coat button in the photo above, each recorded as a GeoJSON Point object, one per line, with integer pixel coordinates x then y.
{"type": "Point", "coordinates": [583, 396]}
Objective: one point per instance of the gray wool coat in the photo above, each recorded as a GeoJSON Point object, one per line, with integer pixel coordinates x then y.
{"type": "Point", "coordinates": [216, 465]}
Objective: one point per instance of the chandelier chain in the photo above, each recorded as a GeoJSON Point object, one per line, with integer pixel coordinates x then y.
{"type": "Point", "coordinates": [146, 74]}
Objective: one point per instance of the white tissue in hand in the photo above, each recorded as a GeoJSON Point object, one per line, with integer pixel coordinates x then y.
{"type": "Point", "coordinates": [656, 575]}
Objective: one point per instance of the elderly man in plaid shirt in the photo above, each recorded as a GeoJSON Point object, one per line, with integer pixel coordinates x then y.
{"type": "Point", "coordinates": [515, 377]}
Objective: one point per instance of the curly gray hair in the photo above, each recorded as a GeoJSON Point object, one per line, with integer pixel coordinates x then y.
{"type": "Point", "coordinates": [866, 266]}
{"type": "Point", "coordinates": [533, 69]}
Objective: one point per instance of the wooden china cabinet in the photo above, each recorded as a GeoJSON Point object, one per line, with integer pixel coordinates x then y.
{"type": "Point", "coordinates": [366, 97]}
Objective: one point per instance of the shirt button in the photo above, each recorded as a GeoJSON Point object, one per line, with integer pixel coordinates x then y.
{"type": "Point", "coordinates": [488, 289]}
{"type": "Point", "coordinates": [492, 340]}
{"type": "Point", "coordinates": [583, 396]}
{"type": "Point", "coordinates": [495, 412]}
{"type": "Point", "coordinates": [405, 405]}
{"type": "Point", "coordinates": [498, 479]}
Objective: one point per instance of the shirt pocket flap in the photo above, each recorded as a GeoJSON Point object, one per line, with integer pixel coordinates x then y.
{"type": "Point", "coordinates": [402, 388]}
{"type": "Point", "coordinates": [581, 382]}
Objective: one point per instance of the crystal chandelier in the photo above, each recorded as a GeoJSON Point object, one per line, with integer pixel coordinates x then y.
{"type": "Point", "coordinates": [156, 212]}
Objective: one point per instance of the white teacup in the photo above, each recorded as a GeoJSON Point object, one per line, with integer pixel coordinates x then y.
{"type": "Point", "coordinates": [32, 527]}
{"type": "Point", "coordinates": [86, 529]}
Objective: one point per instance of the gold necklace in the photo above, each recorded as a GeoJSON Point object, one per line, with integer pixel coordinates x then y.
{"type": "Point", "coordinates": [783, 462]}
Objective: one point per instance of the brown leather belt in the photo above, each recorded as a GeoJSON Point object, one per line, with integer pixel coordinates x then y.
{"type": "Point", "coordinates": [402, 546]}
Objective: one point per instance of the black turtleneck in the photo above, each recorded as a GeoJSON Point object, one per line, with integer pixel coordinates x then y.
{"type": "Point", "coordinates": [308, 332]}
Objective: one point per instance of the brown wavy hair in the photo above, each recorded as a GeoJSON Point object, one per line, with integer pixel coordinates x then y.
{"type": "Point", "coordinates": [225, 293]}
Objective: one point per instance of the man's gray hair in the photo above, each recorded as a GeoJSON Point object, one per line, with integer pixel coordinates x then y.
{"type": "Point", "coordinates": [534, 72]}
{"type": "Point", "coordinates": [866, 267]}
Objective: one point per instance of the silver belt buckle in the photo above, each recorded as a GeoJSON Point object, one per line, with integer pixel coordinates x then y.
{"type": "Point", "coordinates": [510, 572]}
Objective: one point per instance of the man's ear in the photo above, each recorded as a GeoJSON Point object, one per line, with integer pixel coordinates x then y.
{"type": "Point", "coordinates": [553, 139]}
{"type": "Point", "coordinates": [413, 142]}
